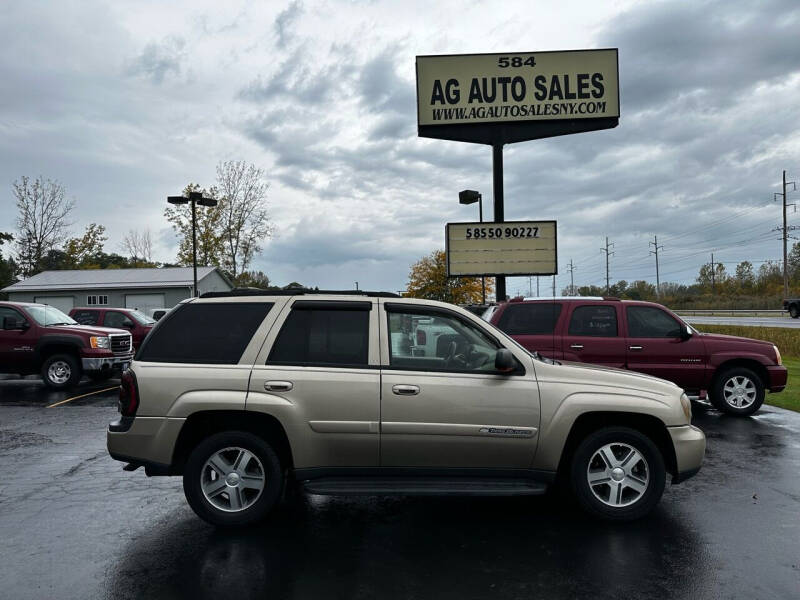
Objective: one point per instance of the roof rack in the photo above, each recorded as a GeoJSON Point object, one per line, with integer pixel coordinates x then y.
{"type": "Point", "coordinates": [296, 292]}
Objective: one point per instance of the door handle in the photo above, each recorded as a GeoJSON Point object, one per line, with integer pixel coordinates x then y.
{"type": "Point", "coordinates": [635, 348]}
{"type": "Point", "coordinates": [405, 390]}
{"type": "Point", "coordinates": [278, 386]}
{"type": "Point", "coordinates": [577, 346]}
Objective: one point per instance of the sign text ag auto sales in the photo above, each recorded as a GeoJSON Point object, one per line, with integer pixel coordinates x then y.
{"type": "Point", "coordinates": [487, 88]}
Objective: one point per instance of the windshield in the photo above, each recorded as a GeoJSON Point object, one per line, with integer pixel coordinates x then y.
{"type": "Point", "coordinates": [48, 315]}
{"type": "Point", "coordinates": [142, 318]}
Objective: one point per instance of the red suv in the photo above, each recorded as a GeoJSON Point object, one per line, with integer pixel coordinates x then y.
{"type": "Point", "coordinates": [734, 372]}
{"type": "Point", "coordinates": [139, 324]}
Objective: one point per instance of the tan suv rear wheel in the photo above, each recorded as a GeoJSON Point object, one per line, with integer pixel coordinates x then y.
{"type": "Point", "coordinates": [232, 478]}
{"type": "Point", "coordinates": [617, 473]}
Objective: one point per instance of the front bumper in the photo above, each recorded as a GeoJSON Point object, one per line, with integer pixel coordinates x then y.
{"type": "Point", "coordinates": [117, 361]}
{"type": "Point", "coordinates": [777, 376]}
{"type": "Point", "coordinates": [689, 443]}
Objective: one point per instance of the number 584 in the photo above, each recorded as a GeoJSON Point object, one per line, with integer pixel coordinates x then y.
{"type": "Point", "coordinates": [515, 61]}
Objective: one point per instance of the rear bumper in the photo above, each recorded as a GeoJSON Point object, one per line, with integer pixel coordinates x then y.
{"type": "Point", "coordinates": [690, 448]}
{"type": "Point", "coordinates": [777, 376]}
{"type": "Point", "coordinates": [144, 440]}
{"type": "Point", "coordinates": [118, 361]}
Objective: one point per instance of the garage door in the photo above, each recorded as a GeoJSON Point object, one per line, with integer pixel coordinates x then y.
{"type": "Point", "coordinates": [144, 302]}
{"type": "Point", "coordinates": [62, 303]}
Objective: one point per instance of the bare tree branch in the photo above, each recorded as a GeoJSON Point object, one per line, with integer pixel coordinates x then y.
{"type": "Point", "coordinates": [138, 245]}
{"type": "Point", "coordinates": [42, 221]}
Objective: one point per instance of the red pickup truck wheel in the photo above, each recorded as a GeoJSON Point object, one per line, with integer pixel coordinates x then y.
{"type": "Point", "coordinates": [738, 391]}
{"type": "Point", "coordinates": [61, 371]}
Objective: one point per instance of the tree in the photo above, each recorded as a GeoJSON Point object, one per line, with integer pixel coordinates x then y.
{"type": "Point", "coordinates": [42, 220]}
{"type": "Point", "coordinates": [254, 279]}
{"type": "Point", "coordinates": [745, 276]}
{"type": "Point", "coordinates": [245, 222]}
{"type": "Point", "coordinates": [428, 279]}
{"type": "Point", "coordinates": [139, 247]}
{"type": "Point", "coordinates": [86, 251]}
{"type": "Point", "coordinates": [209, 234]}
{"type": "Point", "coordinates": [7, 265]}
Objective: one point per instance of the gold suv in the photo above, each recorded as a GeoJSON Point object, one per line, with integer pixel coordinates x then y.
{"type": "Point", "coordinates": [370, 393]}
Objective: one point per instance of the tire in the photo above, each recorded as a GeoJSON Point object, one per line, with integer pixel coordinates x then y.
{"type": "Point", "coordinates": [232, 502]}
{"type": "Point", "coordinates": [794, 311]}
{"type": "Point", "coordinates": [738, 391]}
{"type": "Point", "coordinates": [61, 371]}
{"type": "Point", "coordinates": [642, 474]}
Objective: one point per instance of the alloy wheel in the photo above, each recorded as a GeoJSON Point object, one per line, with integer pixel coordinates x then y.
{"type": "Point", "coordinates": [618, 474]}
{"type": "Point", "coordinates": [739, 392]}
{"type": "Point", "coordinates": [59, 372]}
{"type": "Point", "coordinates": [232, 479]}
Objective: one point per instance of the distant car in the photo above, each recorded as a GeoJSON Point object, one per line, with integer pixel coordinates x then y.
{"type": "Point", "coordinates": [792, 306]}
{"type": "Point", "coordinates": [138, 323]}
{"type": "Point", "coordinates": [734, 372]}
{"type": "Point", "coordinates": [36, 338]}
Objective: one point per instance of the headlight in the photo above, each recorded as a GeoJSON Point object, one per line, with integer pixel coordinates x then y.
{"type": "Point", "coordinates": [777, 355]}
{"type": "Point", "coordinates": [99, 342]}
{"type": "Point", "coordinates": [686, 405]}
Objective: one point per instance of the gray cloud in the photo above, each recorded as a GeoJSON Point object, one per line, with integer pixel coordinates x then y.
{"type": "Point", "coordinates": [158, 60]}
{"type": "Point", "coordinates": [285, 21]}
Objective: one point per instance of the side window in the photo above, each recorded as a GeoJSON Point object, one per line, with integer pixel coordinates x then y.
{"type": "Point", "coordinates": [594, 321]}
{"type": "Point", "coordinates": [438, 341]}
{"type": "Point", "coordinates": [204, 333]}
{"type": "Point", "coordinates": [86, 317]}
{"type": "Point", "coordinates": [117, 319]}
{"type": "Point", "coordinates": [323, 334]}
{"type": "Point", "coordinates": [650, 322]}
{"type": "Point", "coordinates": [10, 313]}
{"type": "Point", "coordinates": [530, 319]}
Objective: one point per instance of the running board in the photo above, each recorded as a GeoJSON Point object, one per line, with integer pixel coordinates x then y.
{"type": "Point", "coordinates": [433, 486]}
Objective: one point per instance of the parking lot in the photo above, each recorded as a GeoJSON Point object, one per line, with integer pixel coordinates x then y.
{"type": "Point", "coordinates": [74, 525]}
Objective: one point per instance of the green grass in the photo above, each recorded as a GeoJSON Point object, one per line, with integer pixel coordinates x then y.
{"type": "Point", "coordinates": [788, 342]}
{"type": "Point", "coordinates": [790, 397]}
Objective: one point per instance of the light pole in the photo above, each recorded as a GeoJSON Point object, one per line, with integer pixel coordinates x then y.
{"type": "Point", "coordinates": [193, 199]}
{"type": "Point", "coordinates": [471, 197]}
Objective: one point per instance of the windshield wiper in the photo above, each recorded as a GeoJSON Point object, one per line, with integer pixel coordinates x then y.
{"type": "Point", "coordinates": [56, 324]}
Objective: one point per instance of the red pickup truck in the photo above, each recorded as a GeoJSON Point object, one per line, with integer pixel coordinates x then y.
{"type": "Point", "coordinates": [138, 323]}
{"type": "Point", "coordinates": [36, 338]}
{"type": "Point", "coordinates": [733, 372]}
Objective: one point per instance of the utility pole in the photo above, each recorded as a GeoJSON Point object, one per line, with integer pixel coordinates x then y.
{"type": "Point", "coordinates": [785, 232]}
{"type": "Point", "coordinates": [571, 269]}
{"type": "Point", "coordinates": [609, 254]}
{"type": "Point", "coordinates": [655, 250]}
{"type": "Point", "coordinates": [713, 277]}
{"type": "Point", "coordinates": [554, 286]}
{"type": "Point", "coordinates": [537, 286]}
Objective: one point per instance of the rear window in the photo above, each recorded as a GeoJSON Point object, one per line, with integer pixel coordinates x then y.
{"type": "Point", "coordinates": [324, 337]}
{"type": "Point", "coordinates": [530, 319]}
{"type": "Point", "coordinates": [204, 333]}
{"type": "Point", "coordinates": [594, 321]}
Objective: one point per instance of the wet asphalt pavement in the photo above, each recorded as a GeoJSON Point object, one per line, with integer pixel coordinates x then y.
{"type": "Point", "coordinates": [74, 525]}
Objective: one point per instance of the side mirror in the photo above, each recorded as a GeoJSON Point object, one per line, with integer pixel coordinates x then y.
{"type": "Point", "coordinates": [504, 361]}
{"type": "Point", "coordinates": [128, 325]}
{"type": "Point", "coordinates": [14, 324]}
{"type": "Point", "coordinates": [686, 333]}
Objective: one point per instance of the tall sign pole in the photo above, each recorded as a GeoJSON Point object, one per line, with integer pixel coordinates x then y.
{"type": "Point", "coordinates": [499, 216]}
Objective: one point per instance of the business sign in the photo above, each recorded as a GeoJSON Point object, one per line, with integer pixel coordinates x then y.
{"type": "Point", "coordinates": [508, 248]}
{"type": "Point", "coordinates": [525, 86]}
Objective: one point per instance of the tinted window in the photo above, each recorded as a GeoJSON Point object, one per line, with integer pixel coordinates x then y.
{"type": "Point", "coordinates": [10, 313]}
{"type": "Point", "coordinates": [595, 321]}
{"type": "Point", "coordinates": [530, 319]}
{"type": "Point", "coordinates": [323, 336]}
{"type": "Point", "coordinates": [86, 317]}
{"type": "Point", "coordinates": [117, 319]}
{"type": "Point", "coordinates": [650, 322]}
{"type": "Point", "coordinates": [438, 341]}
{"type": "Point", "coordinates": [204, 333]}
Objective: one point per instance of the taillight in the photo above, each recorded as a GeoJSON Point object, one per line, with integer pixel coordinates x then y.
{"type": "Point", "coordinates": [128, 394]}
{"type": "Point", "coordinates": [422, 338]}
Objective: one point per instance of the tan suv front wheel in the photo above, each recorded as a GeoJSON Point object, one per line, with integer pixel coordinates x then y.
{"type": "Point", "coordinates": [618, 473]}
{"type": "Point", "coordinates": [232, 478]}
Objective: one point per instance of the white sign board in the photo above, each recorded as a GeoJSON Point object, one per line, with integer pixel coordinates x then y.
{"type": "Point", "coordinates": [509, 248]}
{"type": "Point", "coordinates": [524, 86]}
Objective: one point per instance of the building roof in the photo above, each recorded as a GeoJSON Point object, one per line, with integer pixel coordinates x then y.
{"type": "Point", "coordinates": [110, 279]}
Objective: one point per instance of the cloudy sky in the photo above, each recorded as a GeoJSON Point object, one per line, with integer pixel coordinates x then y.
{"type": "Point", "coordinates": [127, 102]}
